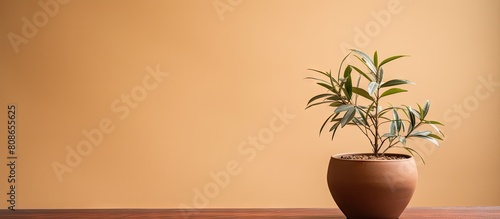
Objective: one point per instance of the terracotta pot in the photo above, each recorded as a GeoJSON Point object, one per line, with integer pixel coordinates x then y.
{"type": "Point", "coordinates": [372, 188]}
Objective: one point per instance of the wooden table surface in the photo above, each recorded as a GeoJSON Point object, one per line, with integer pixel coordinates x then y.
{"type": "Point", "coordinates": [491, 212]}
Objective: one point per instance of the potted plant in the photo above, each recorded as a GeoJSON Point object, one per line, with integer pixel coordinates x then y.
{"type": "Point", "coordinates": [376, 184]}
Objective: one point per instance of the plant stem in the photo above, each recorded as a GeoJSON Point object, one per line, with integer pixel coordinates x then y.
{"type": "Point", "coordinates": [376, 125]}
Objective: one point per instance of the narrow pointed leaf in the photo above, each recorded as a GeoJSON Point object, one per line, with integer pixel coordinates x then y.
{"type": "Point", "coordinates": [317, 79]}
{"type": "Point", "coordinates": [393, 128]}
{"type": "Point", "coordinates": [412, 115]}
{"type": "Point", "coordinates": [436, 128]}
{"type": "Point", "coordinates": [420, 133]}
{"type": "Point", "coordinates": [367, 60]}
{"type": "Point", "coordinates": [411, 151]}
{"type": "Point", "coordinates": [375, 59]}
{"type": "Point", "coordinates": [362, 73]}
{"type": "Point", "coordinates": [426, 108]}
{"type": "Point", "coordinates": [421, 111]}
{"type": "Point", "coordinates": [414, 112]}
{"type": "Point", "coordinates": [388, 135]}
{"type": "Point", "coordinates": [334, 97]}
{"type": "Point", "coordinates": [433, 122]}
{"type": "Point", "coordinates": [392, 91]}
{"type": "Point", "coordinates": [348, 83]}
{"type": "Point", "coordinates": [318, 103]}
{"type": "Point", "coordinates": [318, 97]}
{"type": "Point", "coordinates": [336, 104]}
{"type": "Point", "coordinates": [372, 87]}
{"type": "Point", "coordinates": [397, 120]}
{"type": "Point", "coordinates": [362, 92]}
{"type": "Point", "coordinates": [429, 139]}
{"type": "Point", "coordinates": [362, 116]}
{"type": "Point", "coordinates": [326, 121]}
{"type": "Point", "coordinates": [359, 121]}
{"type": "Point", "coordinates": [435, 136]}
{"type": "Point", "coordinates": [333, 129]}
{"type": "Point", "coordinates": [402, 140]}
{"type": "Point", "coordinates": [318, 71]}
{"type": "Point", "coordinates": [380, 75]}
{"type": "Point", "coordinates": [395, 82]}
{"type": "Point", "coordinates": [343, 108]}
{"type": "Point", "coordinates": [334, 118]}
{"type": "Point", "coordinates": [327, 86]}
{"type": "Point", "coordinates": [348, 116]}
{"type": "Point", "coordinates": [390, 59]}
{"type": "Point", "coordinates": [412, 119]}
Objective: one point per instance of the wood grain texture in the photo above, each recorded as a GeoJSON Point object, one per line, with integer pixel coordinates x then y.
{"type": "Point", "coordinates": [491, 212]}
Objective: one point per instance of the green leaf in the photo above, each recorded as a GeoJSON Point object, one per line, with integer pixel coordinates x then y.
{"type": "Point", "coordinates": [397, 120]}
{"type": "Point", "coordinates": [392, 91]}
{"type": "Point", "coordinates": [363, 116]}
{"type": "Point", "coordinates": [421, 111]}
{"type": "Point", "coordinates": [334, 97]}
{"type": "Point", "coordinates": [326, 121]}
{"type": "Point", "coordinates": [384, 111]}
{"type": "Point", "coordinates": [412, 116]}
{"type": "Point", "coordinates": [403, 127]}
{"type": "Point", "coordinates": [380, 75]}
{"type": "Point", "coordinates": [333, 129]}
{"type": "Point", "coordinates": [327, 86]}
{"type": "Point", "coordinates": [412, 121]}
{"type": "Point", "coordinates": [318, 103]}
{"type": "Point", "coordinates": [334, 118]}
{"type": "Point", "coordinates": [362, 92]}
{"type": "Point", "coordinates": [366, 60]}
{"type": "Point", "coordinates": [336, 104]}
{"type": "Point", "coordinates": [436, 128]}
{"type": "Point", "coordinates": [414, 112]}
{"type": "Point", "coordinates": [359, 121]}
{"type": "Point", "coordinates": [393, 128]}
{"type": "Point", "coordinates": [321, 72]}
{"type": "Point", "coordinates": [390, 59]}
{"type": "Point", "coordinates": [343, 108]}
{"type": "Point", "coordinates": [432, 122]}
{"type": "Point", "coordinates": [372, 87]}
{"type": "Point", "coordinates": [347, 71]}
{"type": "Point", "coordinates": [435, 136]}
{"type": "Point", "coordinates": [375, 59]}
{"type": "Point", "coordinates": [348, 116]}
{"type": "Point", "coordinates": [420, 133]}
{"type": "Point", "coordinates": [348, 83]}
{"type": "Point", "coordinates": [388, 135]}
{"type": "Point", "coordinates": [395, 82]}
{"type": "Point", "coordinates": [428, 138]}
{"type": "Point", "coordinates": [411, 151]}
{"type": "Point", "coordinates": [318, 97]}
{"type": "Point", "coordinates": [313, 78]}
{"type": "Point", "coordinates": [362, 73]}
{"type": "Point", "coordinates": [426, 108]}
{"type": "Point", "coordinates": [368, 111]}
{"type": "Point", "coordinates": [402, 139]}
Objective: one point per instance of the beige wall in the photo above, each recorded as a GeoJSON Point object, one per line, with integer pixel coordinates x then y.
{"type": "Point", "coordinates": [222, 81]}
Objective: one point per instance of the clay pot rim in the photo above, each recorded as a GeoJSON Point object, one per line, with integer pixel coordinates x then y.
{"type": "Point", "coordinates": [337, 157]}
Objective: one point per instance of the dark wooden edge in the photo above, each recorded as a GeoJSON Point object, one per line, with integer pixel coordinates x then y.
{"type": "Point", "coordinates": [489, 212]}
